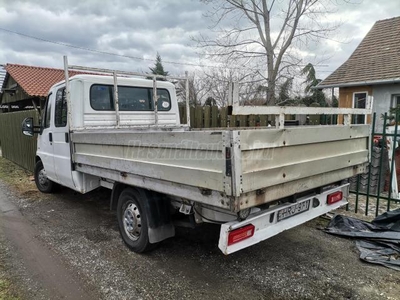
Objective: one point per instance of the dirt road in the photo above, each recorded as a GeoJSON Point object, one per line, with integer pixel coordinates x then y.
{"type": "Point", "coordinates": [53, 275]}
{"type": "Point", "coordinates": [69, 245]}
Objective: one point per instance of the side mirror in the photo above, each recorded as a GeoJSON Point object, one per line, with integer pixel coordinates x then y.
{"type": "Point", "coordinates": [27, 127]}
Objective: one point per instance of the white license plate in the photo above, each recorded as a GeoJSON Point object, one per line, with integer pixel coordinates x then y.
{"type": "Point", "coordinates": [293, 210]}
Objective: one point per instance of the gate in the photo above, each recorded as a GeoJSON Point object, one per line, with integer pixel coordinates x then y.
{"type": "Point", "coordinates": [377, 190]}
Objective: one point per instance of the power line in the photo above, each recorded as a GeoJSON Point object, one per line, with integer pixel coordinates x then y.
{"type": "Point", "coordinates": [103, 52]}
{"type": "Point", "coordinates": [124, 55]}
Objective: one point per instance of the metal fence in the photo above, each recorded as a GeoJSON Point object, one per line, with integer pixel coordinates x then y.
{"type": "Point", "coordinates": [377, 190]}
{"type": "Point", "coordinates": [15, 146]}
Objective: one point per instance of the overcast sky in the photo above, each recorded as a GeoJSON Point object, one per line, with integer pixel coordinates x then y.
{"type": "Point", "coordinates": [140, 28]}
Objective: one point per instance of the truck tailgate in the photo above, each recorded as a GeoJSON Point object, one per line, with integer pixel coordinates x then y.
{"type": "Point", "coordinates": [276, 163]}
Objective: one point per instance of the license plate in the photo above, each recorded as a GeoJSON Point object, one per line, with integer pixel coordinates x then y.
{"type": "Point", "coordinates": [293, 210]}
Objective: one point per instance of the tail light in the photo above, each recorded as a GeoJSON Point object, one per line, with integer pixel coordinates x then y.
{"type": "Point", "coordinates": [335, 197]}
{"type": "Point", "coordinates": [240, 234]}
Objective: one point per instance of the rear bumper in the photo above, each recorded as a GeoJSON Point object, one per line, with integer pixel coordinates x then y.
{"type": "Point", "coordinates": [267, 225]}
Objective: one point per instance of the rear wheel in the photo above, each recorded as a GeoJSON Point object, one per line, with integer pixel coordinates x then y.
{"type": "Point", "coordinates": [43, 183]}
{"type": "Point", "coordinates": [132, 220]}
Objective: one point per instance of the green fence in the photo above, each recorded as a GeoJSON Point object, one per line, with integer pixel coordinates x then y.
{"type": "Point", "coordinates": [377, 190]}
{"type": "Point", "coordinates": [15, 146]}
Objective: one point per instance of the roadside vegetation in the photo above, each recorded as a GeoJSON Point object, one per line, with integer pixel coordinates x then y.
{"type": "Point", "coordinates": [13, 174]}
{"type": "Point", "coordinates": [7, 291]}
{"type": "Point", "coordinates": [18, 179]}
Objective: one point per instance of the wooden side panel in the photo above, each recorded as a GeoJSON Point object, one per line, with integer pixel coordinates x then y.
{"type": "Point", "coordinates": [346, 98]}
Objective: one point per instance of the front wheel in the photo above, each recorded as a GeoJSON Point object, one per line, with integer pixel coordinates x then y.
{"type": "Point", "coordinates": [132, 220]}
{"type": "Point", "coordinates": [43, 183]}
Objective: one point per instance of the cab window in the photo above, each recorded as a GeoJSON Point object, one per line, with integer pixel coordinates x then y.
{"type": "Point", "coordinates": [129, 98]}
{"type": "Point", "coordinates": [101, 97]}
{"type": "Point", "coordinates": [60, 111]}
{"type": "Point", "coordinates": [47, 113]}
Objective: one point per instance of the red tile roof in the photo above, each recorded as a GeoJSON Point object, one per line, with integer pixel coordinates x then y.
{"type": "Point", "coordinates": [36, 81]}
{"type": "Point", "coordinates": [376, 59]}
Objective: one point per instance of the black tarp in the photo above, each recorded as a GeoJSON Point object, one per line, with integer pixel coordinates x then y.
{"type": "Point", "coordinates": [378, 241]}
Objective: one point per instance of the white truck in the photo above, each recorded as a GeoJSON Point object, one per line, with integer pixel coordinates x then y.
{"type": "Point", "coordinates": [124, 133]}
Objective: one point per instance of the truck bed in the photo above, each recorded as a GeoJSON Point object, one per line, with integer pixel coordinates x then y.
{"type": "Point", "coordinates": [229, 168]}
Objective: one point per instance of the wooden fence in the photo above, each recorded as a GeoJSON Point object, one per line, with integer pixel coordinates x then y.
{"type": "Point", "coordinates": [15, 146]}
{"type": "Point", "coordinates": [214, 116]}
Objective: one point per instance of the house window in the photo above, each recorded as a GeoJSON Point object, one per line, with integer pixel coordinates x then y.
{"type": "Point", "coordinates": [60, 112]}
{"type": "Point", "coordinates": [395, 101]}
{"type": "Point", "coordinates": [359, 101]}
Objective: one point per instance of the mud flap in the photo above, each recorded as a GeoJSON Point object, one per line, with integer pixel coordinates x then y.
{"type": "Point", "coordinates": [158, 217]}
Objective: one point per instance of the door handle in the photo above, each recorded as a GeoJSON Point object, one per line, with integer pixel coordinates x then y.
{"type": "Point", "coordinates": [50, 137]}
{"type": "Point", "coordinates": [66, 137]}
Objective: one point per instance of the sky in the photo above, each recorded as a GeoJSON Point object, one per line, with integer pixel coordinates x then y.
{"type": "Point", "coordinates": [139, 29]}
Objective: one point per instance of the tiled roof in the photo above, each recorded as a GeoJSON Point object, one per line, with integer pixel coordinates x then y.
{"type": "Point", "coordinates": [36, 81]}
{"type": "Point", "coordinates": [376, 59]}
{"type": "Point", "coordinates": [2, 75]}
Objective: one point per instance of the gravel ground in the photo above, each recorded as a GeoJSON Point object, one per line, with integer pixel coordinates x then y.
{"type": "Point", "coordinates": [302, 263]}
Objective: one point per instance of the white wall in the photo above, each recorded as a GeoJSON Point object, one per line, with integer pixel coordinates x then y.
{"type": "Point", "coordinates": [382, 100]}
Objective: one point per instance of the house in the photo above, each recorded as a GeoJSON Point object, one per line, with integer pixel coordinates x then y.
{"type": "Point", "coordinates": [25, 87]}
{"type": "Point", "coordinates": [2, 76]}
{"type": "Point", "coordinates": [372, 70]}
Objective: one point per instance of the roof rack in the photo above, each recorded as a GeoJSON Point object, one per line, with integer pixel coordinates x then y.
{"type": "Point", "coordinates": [118, 73]}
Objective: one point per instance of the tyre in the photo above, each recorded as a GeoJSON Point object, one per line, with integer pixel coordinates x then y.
{"type": "Point", "coordinates": [132, 220]}
{"type": "Point", "coordinates": [44, 184]}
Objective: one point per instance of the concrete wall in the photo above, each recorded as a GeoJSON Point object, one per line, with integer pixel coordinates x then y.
{"type": "Point", "coordinates": [382, 100]}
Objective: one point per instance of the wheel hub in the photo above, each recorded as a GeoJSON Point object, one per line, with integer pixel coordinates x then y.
{"type": "Point", "coordinates": [132, 221]}
{"type": "Point", "coordinates": [42, 176]}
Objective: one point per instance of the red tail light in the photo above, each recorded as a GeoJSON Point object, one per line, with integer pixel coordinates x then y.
{"type": "Point", "coordinates": [240, 234]}
{"type": "Point", "coordinates": [335, 197]}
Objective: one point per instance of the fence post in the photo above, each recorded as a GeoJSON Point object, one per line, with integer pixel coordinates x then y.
{"type": "Point", "coordinates": [207, 116]}
{"type": "Point", "coordinates": [263, 120]}
{"type": "Point", "coordinates": [199, 117]}
{"type": "Point", "coordinates": [381, 164]}
{"type": "Point", "coordinates": [252, 121]}
{"type": "Point", "coordinates": [357, 193]}
{"type": "Point", "coordinates": [223, 116]}
{"type": "Point", "coordinates": [214, 116]}
{"type": "Point", "coordinates": [192, 117]}
{"type": "Point", "coordinates": [369, 167]}
{"type": "Point", "coordinates": [394, 138]}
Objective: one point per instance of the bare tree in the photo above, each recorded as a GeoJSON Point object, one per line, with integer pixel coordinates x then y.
{"type": "Point", "coordinates": [217, 82]}
{"type": "Point", "coordinates": [266, 35]}
{"type": "Point", "coordinates": [197, 90]}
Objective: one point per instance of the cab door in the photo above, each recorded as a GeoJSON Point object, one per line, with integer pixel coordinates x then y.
{"type": "Point", "coordinates": [45, 139]}
{"type": "Point", "coordinates": [61, 140]}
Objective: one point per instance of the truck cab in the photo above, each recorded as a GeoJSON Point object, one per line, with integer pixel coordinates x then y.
{"type": "Point", "coordinates": [93, 107]}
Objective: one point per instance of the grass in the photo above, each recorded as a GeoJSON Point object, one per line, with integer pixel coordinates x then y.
{"type": "Point", "coordinates": [18, 179]}
{"type": "Point", "coordinates": [6, 289]}
{"type": "Point", "coordinates": [14, 174]}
